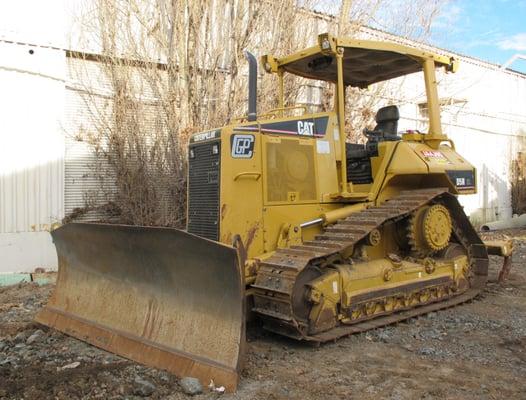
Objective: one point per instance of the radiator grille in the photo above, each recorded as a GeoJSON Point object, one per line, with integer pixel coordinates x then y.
{"type": "Point", "coordinates": [203, 189]}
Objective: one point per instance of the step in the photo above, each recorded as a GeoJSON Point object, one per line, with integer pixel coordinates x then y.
{"type": "Point", "coordinates": [317, 249]}
{"type": "Point", "coordinates": [326, 244]}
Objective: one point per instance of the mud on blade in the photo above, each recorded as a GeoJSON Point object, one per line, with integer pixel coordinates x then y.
{"type": "Point", "coordinates": [159, 296]}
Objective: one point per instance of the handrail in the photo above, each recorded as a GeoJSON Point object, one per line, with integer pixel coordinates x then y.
{"type": "Point", "coordinates": [271, 113]}
{"type": "Point", "coordinates": [274, 111]}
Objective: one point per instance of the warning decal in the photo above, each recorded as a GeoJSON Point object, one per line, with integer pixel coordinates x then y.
{"type": "Point", "coordinates": [436, 156]}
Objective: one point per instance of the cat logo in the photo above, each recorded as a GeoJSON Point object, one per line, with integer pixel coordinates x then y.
{"type": "Point", "coordinates": [242, 146]}
{"type": "Point", "coordinates": [305, 128]}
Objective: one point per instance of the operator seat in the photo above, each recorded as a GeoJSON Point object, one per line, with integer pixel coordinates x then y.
{"type": "Point", "coordinates": [386, 125]}
{"type": "Point", "coordinates": [358, 156]}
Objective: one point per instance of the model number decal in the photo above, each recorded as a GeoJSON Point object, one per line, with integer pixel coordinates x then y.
{"type": "Point", "coordinates": [462, 179]}
{"type": "Point", "coordinates": [242, 146]}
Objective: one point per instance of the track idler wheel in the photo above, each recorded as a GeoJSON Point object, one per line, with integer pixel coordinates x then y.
{"type": "Point", "coordinates": [429, 229]}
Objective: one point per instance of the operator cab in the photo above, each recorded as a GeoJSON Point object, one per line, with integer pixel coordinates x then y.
{"type": "Point", "coordinates": [358, 156]}
{"type": "Point", "coordinates": [361, 63]}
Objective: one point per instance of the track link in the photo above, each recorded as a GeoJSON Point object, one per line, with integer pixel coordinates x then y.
{"type": "Point", "coordinates": [277, 276]}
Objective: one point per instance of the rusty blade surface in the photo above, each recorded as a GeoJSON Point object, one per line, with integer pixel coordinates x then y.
{"type": "Point", "coordinates": [159, 296]}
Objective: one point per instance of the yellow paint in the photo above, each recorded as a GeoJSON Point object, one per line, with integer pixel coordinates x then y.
{"type": "Point", "coordinates": [257, 199]}
{"type": "Point", "coordinates": [294, 179]}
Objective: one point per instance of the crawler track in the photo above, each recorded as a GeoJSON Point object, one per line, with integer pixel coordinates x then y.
{"type": "Point", "coordinates": [279, 279]}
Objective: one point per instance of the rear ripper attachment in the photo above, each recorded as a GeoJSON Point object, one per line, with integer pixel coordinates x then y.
{"type": "Point", "coordinates": [330, 287]}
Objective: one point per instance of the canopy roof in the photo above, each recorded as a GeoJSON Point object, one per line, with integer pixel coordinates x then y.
{"type": "Point", "coordinates": [364, 62]}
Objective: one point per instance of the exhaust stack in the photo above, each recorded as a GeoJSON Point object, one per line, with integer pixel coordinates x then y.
{"type": "Point", "coordinates": [252, 85]}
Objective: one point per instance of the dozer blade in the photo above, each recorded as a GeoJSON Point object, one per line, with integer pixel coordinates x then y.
{"type": "Point", "coordinates": [159, 296]}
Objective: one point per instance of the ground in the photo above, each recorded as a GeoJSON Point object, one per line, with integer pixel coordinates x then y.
{"type": "Point", "coordinates": [473, 351]}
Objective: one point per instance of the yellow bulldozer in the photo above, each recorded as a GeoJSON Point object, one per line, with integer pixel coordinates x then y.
{"type": "Point", "coordinates": [288, 223]}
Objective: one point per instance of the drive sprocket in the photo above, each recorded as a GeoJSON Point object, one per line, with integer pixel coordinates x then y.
{"type": "Point", "coordinates": [429, 229]}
